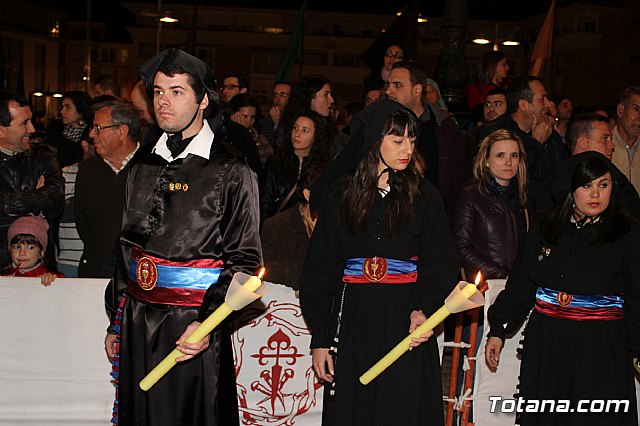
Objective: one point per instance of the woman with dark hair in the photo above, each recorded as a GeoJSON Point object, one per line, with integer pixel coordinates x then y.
{"type": "Point", "coordinates": [490, 218]}
{"type": "Point", "coordinates": [378, 78]}
{"type": "Point", "coordinates": [75, 111]}
{"type": "Point", "coordinates": [307, 143]}
{"type": "Point", "coordinates": [492, 74]}
{"type": "Point", "coordinates": [579, 270]}
{"type": "Point", "coordinates": [312, 93]}
{"type": "Point", "coordinates": [380, 261]}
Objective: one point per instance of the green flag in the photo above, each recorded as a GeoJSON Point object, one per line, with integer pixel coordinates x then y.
{"type": "Point", "coordinates": [295, 47]}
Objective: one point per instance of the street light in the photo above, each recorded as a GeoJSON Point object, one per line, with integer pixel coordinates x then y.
{"type": "Point", "coordinates": [168, 19]}
{"type": "Point", "coordinates": [482, 38]}
{"type": "Point", "coordinates": [161, 16]}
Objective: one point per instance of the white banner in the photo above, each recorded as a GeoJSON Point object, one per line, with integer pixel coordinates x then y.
{"type": "Point", "coordinates": [54, 371]}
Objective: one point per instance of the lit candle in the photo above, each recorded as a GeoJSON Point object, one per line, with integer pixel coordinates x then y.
{"type": "Point", "coordinates": [454, 303]}
{"type": "Point", "coordinates": [207, 326]}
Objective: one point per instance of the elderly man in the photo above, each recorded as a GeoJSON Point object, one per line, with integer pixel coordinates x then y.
{"type": "Point", "coordinates": [30, 178]}
{"type": "Point", "coordinates": [626, 135]}
{"type": "Point", "coordinates": [191, 221]}
{"type": "Point", "coordinates": [100, 186]}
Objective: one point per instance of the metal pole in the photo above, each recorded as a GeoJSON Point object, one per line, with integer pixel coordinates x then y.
{"type": "Point", "coordinates": [87, 66]}
{"type": "Point", "coordinates": [159, 30]}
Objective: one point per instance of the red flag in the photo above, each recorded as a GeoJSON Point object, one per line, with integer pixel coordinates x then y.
{"type": "Point", "coordinates": [542, 49]}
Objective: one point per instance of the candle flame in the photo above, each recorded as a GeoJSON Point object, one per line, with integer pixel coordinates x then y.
{"type": "Point", "coordinates": [261, 274]}
{"type": "Point", "coordinates": [478, 278]}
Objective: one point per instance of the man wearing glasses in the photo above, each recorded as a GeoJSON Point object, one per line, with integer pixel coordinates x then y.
{"type": "Point", "coordinates": [233, 83]}
{"type": "Point", "coordinates": [378, 79]}
{"type": "Point", "coordinates": [100, 186]}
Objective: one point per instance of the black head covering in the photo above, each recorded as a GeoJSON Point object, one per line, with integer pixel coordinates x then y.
{"type": "Point", "coordinates": [198, 69]}
{"type": "Point", "coordinates": [366, 126]}
{"type": "Point", "coordinates": [190, 64]}
{"type": "Point", "coordinates": [365, 129]}
{"type": "Point", "coordinates": [561, 186]}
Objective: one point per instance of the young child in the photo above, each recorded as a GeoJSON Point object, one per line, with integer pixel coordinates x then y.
{"type": "Point", "coordinates": [28, 239]}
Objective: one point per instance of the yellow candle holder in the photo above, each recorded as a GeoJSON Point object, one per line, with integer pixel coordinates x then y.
{"type": "Point", "coordinates": [243, 290]}
{"type": "Point", "coordinates": [463, 297]}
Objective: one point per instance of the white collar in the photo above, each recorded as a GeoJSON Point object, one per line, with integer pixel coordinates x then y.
{"type": "Point", "coordinates": [200, 145]}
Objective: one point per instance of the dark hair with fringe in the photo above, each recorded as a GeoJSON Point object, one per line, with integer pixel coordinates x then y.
{"type": "Point", "coordinates": [362, 186]}
{"type": "Point", "coordinates": [614, 223]}
{"type": "Point", "coordinates": [27, 239]}
{"type": "Point", "coordinates": [31, 239]}
{"type": "Point", "coordinates": [243, 100]}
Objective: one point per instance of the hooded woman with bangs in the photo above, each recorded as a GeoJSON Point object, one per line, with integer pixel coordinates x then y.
{"type": "Point", "coordinates": [381, 260]}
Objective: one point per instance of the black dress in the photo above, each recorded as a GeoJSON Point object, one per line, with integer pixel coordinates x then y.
{"type": "Point", "coordinates": [566, 359]}
{"type": "Point", "coordinates": [375, 317]}
{"type": "Point", "coordinates": [213, 216]}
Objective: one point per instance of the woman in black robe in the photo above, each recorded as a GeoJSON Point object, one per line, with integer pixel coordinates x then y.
{"type": "Point", "coordinates": [380, 261]}
{"type": "Point", "coordinates": [579, 270]}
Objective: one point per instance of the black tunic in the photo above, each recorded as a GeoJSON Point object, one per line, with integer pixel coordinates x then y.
{"type": "Point", "coordinates": [215, 218]}
{"type": "Point", "coordinates": [572, 360]}
{"type": "Point", "coordinates": [376, 316]}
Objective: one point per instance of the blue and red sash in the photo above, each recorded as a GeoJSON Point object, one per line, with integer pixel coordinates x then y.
{"type": "Point", "coordinates": [577, 307]}
{"type": "Point", "coordinates": [369, 270]}
{"type": "Point", "coordinates": [160, 281]}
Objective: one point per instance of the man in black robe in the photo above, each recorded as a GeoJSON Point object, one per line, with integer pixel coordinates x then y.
{"type": "Point", "coordinates": [190, 222]}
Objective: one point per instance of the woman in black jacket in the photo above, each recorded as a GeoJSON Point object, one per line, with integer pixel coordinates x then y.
{"type": "Point", "coordinates": [306, 144]}
{"type": "Point", "coordinates": [490, 220]}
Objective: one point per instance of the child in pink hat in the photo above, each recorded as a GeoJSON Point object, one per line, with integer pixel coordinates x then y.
{"type": "Point", "coordinates": [28, 239]}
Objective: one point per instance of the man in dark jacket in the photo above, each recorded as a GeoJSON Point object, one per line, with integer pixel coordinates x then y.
{"type": "Point", "coordinates": [441, 143]}
{"type": "Point", "coordinates": [100, 186]}
{"type": "Point", "coordinates": [591, 132]}
{"type": "Point", "coordinates": [30, 178]}
{"type": "Point", "coordinates": [527, 117]}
